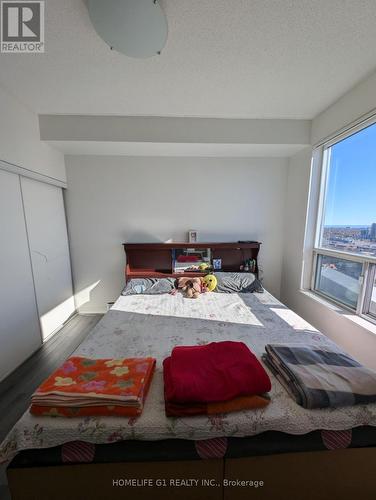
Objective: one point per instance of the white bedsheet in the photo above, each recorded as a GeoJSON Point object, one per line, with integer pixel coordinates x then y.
{"type": "Point", "coordinates": [151, 326]}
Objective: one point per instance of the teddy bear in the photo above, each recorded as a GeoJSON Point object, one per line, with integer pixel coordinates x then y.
{"type": "Point", "coordinates": [190, 286]}
{"type": "Point", "coordinates": [193, 287]}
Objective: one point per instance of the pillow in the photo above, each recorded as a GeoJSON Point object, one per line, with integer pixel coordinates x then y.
{"type": "Point", "coordinates": [238, 283]}
{"type": "Point", "coordinates": [149, 286]}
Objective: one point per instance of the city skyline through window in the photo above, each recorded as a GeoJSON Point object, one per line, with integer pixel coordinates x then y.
{"type": "Point", "coordinates": [349, 215]}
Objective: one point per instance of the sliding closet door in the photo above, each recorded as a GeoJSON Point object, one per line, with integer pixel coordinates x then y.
{"type": "Point", "coordinates": [48, 241]}
{"type": "Point", "coordinates": [19, 326]}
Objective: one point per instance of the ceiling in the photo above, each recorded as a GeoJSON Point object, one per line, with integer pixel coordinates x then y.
{"type": "Point", "coordinates": [223, 58]}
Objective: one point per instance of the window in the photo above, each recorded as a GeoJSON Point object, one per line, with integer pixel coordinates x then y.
{"type": "Point", "coordinates": [344, 269]}
{"type": "Point", "coordinates": [338, 279]}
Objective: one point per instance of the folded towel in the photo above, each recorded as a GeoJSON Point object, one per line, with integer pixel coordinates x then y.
{"type": "Point", "coordinates": [83, 386]}
{"type": "Point", "coordinates": [319, 377]}
{"type": "Point", "coordinates": [216, 372]}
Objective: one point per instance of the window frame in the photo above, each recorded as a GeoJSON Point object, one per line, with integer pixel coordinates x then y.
{"type": "Point", "coordinates": [322, 155]}
{"type": "Point", "coordinates": [368, 289]}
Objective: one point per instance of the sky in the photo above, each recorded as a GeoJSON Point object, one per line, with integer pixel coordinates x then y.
{"type": "Point", "coordinates": [351, 194]}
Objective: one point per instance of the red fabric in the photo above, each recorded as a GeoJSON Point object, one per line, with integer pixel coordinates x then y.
{"type": "Point", "coordinates": [237, 404]}
{"type": "Point", "coordinates": [187, 258]}
{"type": "Point", "coordinates": [215, 372]}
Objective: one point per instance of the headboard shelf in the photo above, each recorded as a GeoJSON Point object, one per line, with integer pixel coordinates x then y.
{"type": "Point", "coordinates": [155, 260]}
{"type": "Point", "coordinates": [172, 245]}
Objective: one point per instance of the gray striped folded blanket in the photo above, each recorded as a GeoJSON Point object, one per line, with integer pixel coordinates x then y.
{"type": "Point", "coordinates": [319, 377]}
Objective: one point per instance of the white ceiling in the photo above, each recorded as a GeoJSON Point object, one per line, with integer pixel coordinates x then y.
{"type": "Point", "coordinates": [223, 58]}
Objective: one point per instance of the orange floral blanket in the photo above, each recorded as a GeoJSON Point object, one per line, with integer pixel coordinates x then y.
{"type": "Point", "coordinates": [88, 387]}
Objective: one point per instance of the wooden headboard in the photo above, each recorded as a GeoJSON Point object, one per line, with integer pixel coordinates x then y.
{"type": "Point", "coordinates": [155, 260]}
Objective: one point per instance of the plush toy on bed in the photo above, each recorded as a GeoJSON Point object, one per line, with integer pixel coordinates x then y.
{"type": "Point", "coordinates": [190, 286]}
{"type": "Point", "coordinates": [193, 287]}
{"type": "Point", "coordinates": [209, 282]}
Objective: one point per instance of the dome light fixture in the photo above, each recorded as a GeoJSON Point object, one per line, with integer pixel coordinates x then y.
{"type": "Point", "coordinates": [137, 28]}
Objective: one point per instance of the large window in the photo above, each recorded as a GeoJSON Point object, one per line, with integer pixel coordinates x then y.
{"type": "Point", "coordinates": [344, 268]}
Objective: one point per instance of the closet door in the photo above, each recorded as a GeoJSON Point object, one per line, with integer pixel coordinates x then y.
{"type": "Point", "coordinates": [48, 241]}
{"type": "Point", "coordinates": [19, 325]}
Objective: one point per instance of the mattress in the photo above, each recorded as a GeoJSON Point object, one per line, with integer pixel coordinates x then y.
{"type": "Point", "coordinates": [138, 326]}
{"type": "Point", "coordinates": [267, 443]}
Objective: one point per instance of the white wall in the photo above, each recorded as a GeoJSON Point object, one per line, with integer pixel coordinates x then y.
{"type": "Point", "coordinates": [20, 142]}
{"type": "Point", "coordinates": [359, 101]}
{"type": "Point", "coordinates": [115, 199]}
{"type": "Point", "coordinates": [294, 229]}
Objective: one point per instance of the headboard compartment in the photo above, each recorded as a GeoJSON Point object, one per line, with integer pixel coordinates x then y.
{"type": "Point", "coordinates": [156, 259]}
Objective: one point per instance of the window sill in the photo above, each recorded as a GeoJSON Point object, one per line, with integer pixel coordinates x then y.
{"type": "Point", "coordinates": [367, 325]}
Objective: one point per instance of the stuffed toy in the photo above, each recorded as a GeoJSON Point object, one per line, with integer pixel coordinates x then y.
{"type": "Point", "coordinates": [190, 286]}
{"type": "Point", "coordinates": [193, 287]}
{"type": "Point", "coordinates": [209, 282]}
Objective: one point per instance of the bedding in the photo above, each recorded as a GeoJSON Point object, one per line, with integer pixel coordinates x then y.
{"type": "Point", "coordinates": [151, 326]}
{"type": "Point", "coordinates": [321, 377]}
{"type": "Point", "coordinates": [189, 409]}
{"type": "Point", "coordinates": [149, 286]}
{"type": "Point", "coordinates": [214, 372]}
{"type": "Point", "coordinates": [86, 387]}
{"type": "Point", "coordinates": [237, 283]}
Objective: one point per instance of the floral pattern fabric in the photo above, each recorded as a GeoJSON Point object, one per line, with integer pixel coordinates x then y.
{"type": "Point", "coordinates": [150, 326]}
{"type": "Point", "coordinates": [95, 387]}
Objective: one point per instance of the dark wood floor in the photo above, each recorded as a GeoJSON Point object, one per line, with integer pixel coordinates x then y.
{"type": "Point", "coordinates": [16, 389]}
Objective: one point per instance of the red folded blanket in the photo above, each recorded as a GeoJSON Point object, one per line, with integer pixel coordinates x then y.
{"type": "Point", "coordinates": [216, 372]}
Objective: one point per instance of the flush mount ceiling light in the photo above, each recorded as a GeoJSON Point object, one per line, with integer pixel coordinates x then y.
{"type": "Point", "coordinates": [137, 28]}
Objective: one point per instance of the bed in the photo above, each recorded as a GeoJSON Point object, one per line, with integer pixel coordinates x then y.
{"type": "Point", "coordinates": [283, 446]}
